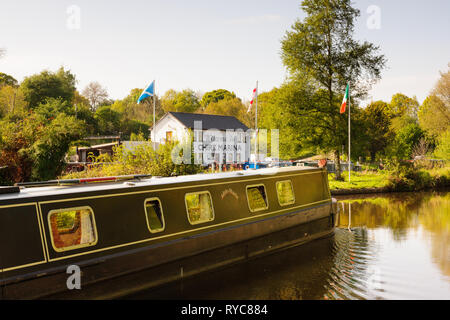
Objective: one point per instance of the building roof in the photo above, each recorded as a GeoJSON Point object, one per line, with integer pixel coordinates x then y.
{"type": "Point", "coordinates": [209, 121]}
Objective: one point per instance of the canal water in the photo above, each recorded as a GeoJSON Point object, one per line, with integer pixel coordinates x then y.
{"type": "Point", "coordinates": [394, 246]}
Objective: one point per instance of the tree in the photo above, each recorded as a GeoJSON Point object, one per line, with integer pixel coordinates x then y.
{"type": "Point", "coordinates": [33, 147]}
{"type": "Point", "coordinates": [215, 96]}
{"type": "Point", "coordinates": [442, 89]}
{"type": "Point", "coordinates": [406, 138]}
{"type": "Point", "coordinates": [95, 93]}
{"type": "Point", "coordinates": [434, 113]}
{"type": "Point", "coordinates": [11, 100]}
{"type": "Point", "coordinates": [52, 107]}
{"type": "Point", "coordinates": [108, 120]}
{"type": "Point", "coordinates": [401, 105]}
{"type": "Point", "coordinates": [377, 126]}
{"type": "Point", "coordinates": [442, 150]}
{"type": "Point", "coordinates": [142, 112]}
{"type": "Point", "coordinates": [184, 101]}
{"type": "Point", "coordinates": [229, 107]}
{"type": "Point", "coordinates": [49, 150]}
{"type": "Point", "coordinates": [7, 80]}
{"type": "Point", "coordinates": [39, 87]}
{"type": "Point", "coordinates": [322, 49]}
{"type": "Point", "coordinates": [434, 116]}
{"type": "Point", "coordinates": [281, 109]}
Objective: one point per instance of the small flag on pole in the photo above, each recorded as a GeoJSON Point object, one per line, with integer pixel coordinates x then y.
{"type": "Point", "coordinates": [344, 102]}
{"type": "Point", "coordinates": [148, 92]}
{"type": "Point", "coordinates": [253, 99]}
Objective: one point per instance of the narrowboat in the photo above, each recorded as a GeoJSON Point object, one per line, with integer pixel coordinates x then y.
{"type": "Point", "coordinates": [131, 234]}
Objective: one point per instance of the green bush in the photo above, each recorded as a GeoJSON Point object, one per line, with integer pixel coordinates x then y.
{"type": "Point", "coordinates": [405, 176]}
{"type": "Point", "coordinates": [141, 160]}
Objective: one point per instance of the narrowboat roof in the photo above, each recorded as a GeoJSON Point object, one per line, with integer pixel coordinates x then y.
{"type": "Point", "coordinates": [29, 192]}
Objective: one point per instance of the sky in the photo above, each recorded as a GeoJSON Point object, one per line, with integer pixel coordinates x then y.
{"type": "Point", "coordinates": [209, 44]}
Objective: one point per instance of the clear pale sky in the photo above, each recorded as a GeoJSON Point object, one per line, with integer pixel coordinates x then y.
{"type": "Point", "coordinates": [208, 44]}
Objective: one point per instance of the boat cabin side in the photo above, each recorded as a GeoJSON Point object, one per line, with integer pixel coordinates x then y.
{"type": "Point", "coordinates": [59, 229]}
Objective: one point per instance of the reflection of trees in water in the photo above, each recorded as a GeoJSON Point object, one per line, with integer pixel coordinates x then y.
{"type": "Point", "coordinates": [435, 218]}
{"type": "Point", "coordinates": [398, 212]}
{"type": "Point", "coordinates": [403, 212]}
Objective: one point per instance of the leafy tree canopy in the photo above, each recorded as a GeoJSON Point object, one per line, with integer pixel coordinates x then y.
{"type": "Point", "coordinates": [215, 96]}
{"type": "Point", "coordinates": [33, 147]}
{"type": "Point", "coordinates": [7, 80]}
{"type": "Point", "coordinates": [407, 136]}
{"type": "Point", "coordinates": [321, 50]}
{"type": "Point", "coordinates": [11, 100]}
{"type": "Point", "coordinates": [228, 107]}
{"type": "Point", "coordinates": [39, 87]}
{"type": "Point", "coordinates": [403, 105]}
{"type": "Point", "coordinates": [184, 101]}
{"type": "Point", "coordinates": [108, 120]}
{"type": "Point", "coordinates": [377, 127]}
{"type": "Point", "coordinates": [434, 116]}
{"type": "Point", "coordinates": [443, 149]}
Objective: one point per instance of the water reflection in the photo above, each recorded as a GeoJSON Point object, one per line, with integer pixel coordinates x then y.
{"type": "Point", "coordinates": [385, 247]}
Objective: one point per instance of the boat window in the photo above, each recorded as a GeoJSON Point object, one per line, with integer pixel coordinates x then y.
{"type": "Point", "coordinates": [285, 192]}
{"type": "Point", "coordinates": [199, 207]}
{"type": "Point", "coordinates": [72, 228]}
{"type": "Point", "coordinates": [154, 215]}
{"type": "Point", "coordinates": [257, 197]}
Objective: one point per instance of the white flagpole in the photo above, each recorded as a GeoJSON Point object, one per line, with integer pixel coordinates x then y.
{"type": "Point", "coordinates": [256, 124]}
{"type": "Point", "coordinates": [349, 161]}
{"type": "Point", "coordinates": [154, 115]}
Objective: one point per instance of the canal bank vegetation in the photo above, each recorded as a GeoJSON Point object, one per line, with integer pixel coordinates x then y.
{"type": "Point", "coordinates": [397, 177]}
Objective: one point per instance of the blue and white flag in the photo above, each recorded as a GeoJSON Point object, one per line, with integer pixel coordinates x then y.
{"type": "Point", "coordinates": [148, 92]}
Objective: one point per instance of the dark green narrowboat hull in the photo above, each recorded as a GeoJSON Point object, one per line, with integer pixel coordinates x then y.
{"type": "Point", "coordinates": [127, 257]}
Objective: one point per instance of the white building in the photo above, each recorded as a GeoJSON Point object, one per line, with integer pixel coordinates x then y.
{"type": "Point", "coordinates": [220, 139]}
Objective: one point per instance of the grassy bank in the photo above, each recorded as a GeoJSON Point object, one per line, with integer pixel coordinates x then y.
{"type": "Point", "coordinates": [384, 181]}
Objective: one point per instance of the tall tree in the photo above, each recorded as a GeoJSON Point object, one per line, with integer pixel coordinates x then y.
{"type": "Point", "coordinates": [229, 107]}
{"type": "Point", "coordinates": [434, 113]}
{"type": "Point", "coordinates": [33, 147]}
{"type": "Point", "coordinates": [434, 116]}
{"type": "Point", "coordinates": [322, 48]}
{"type": "Point", "coordinates": [442, 88]}
{"type": "Point", "coordinates": [11, 100]}
{"type": "Point", "coordinates": [95, 93]}
{"type": "Point", "coordinates": [142, 112]}
{"type": "Point", "coordinates": [184, 101]}
{"type": "Point", "coordinates": [7, 80]}
{"type": "Point", "coordinates": [377, 125]}
{"type": "Point", "coordinates": [108, 120]}
{"type": "Point", "coordinates": [39, 87]}
{"type": "Point", "coordinates": [215, 96]}
{"type": "Point", "coordinates": [402, 105]}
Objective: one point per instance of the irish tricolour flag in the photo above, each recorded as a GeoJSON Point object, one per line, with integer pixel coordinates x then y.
{"type": "Point", "coordinates": [344, 102]}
